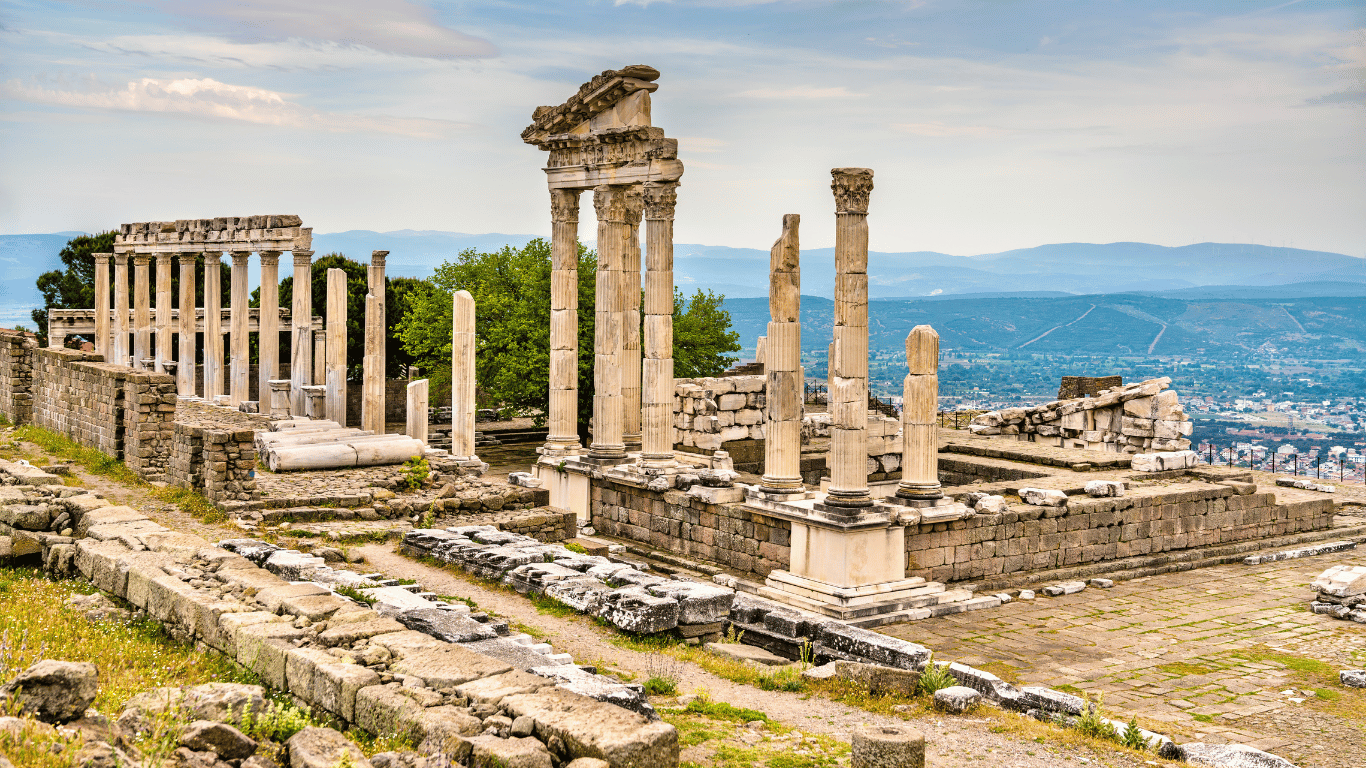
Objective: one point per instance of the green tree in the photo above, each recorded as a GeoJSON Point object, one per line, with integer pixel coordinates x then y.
{"type": "Point", "coordinates": [511, 290]}
{"type": "Point", "coordinates": [702, 335]}
{"type": "Point", "coordinates": [357, 286]}
{"type": "Point", "coordinates": [74, 287]}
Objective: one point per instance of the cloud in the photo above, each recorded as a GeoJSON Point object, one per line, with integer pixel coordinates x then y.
{"type": "Point", "coordinates": [211, 99]}
{"type": "Point", "coordinates": [700, 144]}
{"type": "Point", "coordinates": [940, 130]}
{"type": "Point", "coordinates": [392, 26]}
{"type": "Point", "coordinates": [802, 92]}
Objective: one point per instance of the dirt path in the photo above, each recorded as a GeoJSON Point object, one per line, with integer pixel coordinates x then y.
{"type": "Point", "coordinates": [952, 741]}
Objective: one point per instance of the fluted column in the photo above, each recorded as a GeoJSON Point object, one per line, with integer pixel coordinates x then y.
{"type": "Point", "coordinates": [562, 437]}
{"type": "Point", "coordinates": [165, 349]}
{"type": "Point", "coordinates": [783, 365]}
{"type": "Point", "coordinates": [372, 383]}
{"type": "Point", "coordinates": [849, 391]}
{"type": "Point", "coordinates": [102, 304]}
{"type": "Point", "coordinates": [462, 376]}
{"type": "Point", "coordinates": [185, 363]}
{"type": "Point", "coordinates": [657, 385]}
{"type": "Point", "coordinates": [336, 346]}
{"type": "Point", "coordinates": [238, 318]}
{"type": "Point", "coordinates": [609, 310]}
{"type": "Point", "coordinates": [142, 309]}
{"type": "Point", "coordinates": [213, 325]}
{"type": "Point", "coordinates": [630, 338]}
{"type": "Point", "coordinates": [919, 445]}
{"type": "Point", "coordinates": [301, 334]}
{"type": "Point", "coordinates": [268, 327]}
{"type": "Point", "coordinates": [120, 343]}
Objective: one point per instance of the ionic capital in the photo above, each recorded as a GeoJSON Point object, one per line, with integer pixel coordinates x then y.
{"type": "Point", "coordinates": [564, 205]}
{"type": "Point", "coordinates": [660, 199]}
{"type": "Point", "coordinates": [851, 186]}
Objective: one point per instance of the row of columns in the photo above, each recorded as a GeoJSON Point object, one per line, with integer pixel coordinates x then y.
{"type": "Point", "coordinates": [626, 416]}
{"type": "Point", "coordinates": [111, 339]}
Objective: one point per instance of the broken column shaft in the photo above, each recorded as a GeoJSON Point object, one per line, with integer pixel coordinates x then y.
{"type": "Point", "coordinates": [336, 346]}
{"type": "Point", "coordinates": [657, 385]}
{"type": "Point", "coordinates": [782, 365]}
{"type": "Point", "coordinates": [462, 376]}
{"type": "Point", "coordinates": [919, 445]}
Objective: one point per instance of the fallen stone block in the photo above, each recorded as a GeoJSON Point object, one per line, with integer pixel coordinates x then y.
{"type": "Point", "coordinates": [956, 699]}
{"type": "Point", "coordinates": [1065, 588]}
{"type": "Point", "coordinates": [1353, 678]}
{"type": "Point", "coordinates": [583, 594]}
{"type": "Point", "coordinates": [991, 505]}
{"type": "Point", "coordinates": [323, 748]}
{"type": "Point", "coordinates": [1342, 581]}
{"type": "Point", "coordinates": [53, 691]}
{"type": "Point", "coordinates": [872, 647]}
{"type": "Point", "coordinates": [1043, 497]}
{"type": "Point", "coordinates": [314, 608]}
{"type": "Point", "coordinates": [589, 728]}
{"type": "Point", "coordinates": [747, 653]}
{"type": "Point", "coordinates": [1100, 583]}
{"type": "Point", "coordinates": [449, 665]}
{"type": "Point", "coordinates": [823, 672]}
{"type": "Point", "coordinates": [1165, 461]}
{"type": "Point", "coordinates": [252, 549]}
{"type": "Point", "coordinates": [29, 517]}
{"type": "Point", "coordinates": [1230, 756]}
{"type": "Point", "coordinates": [220, 738]}
{"type": "Point", "coordinates": [510, 652]}
{"type": "Point", "coordinates": [1103, 488]}
{"type": "Point", "coordinates": [697, 603]}
{"type": "Point", "coordinates": [879, 680]}
{"type": "Point", "coordinates": [446, 625]}
{"type": "Point", "coordinates": [984, 682]}
{"type": "Point", "coordinates": [495, 752]}
{"type": "Point", "coordinates": [493, 689]}
{"type": "Point", "coordinates": [636, 610]}
{"type": "Point", "coordinates": [1049, 700]}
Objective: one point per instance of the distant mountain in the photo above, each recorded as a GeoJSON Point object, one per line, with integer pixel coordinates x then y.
{"type": "Point", "coordinates": [1107, 324]}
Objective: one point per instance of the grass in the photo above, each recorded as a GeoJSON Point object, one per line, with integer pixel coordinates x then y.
{"type": "Point", "coordinates": [1317, 676]}
{"type": "Point", "coordinates": [132, 656]}
{"type": "Point", "coordinates": [1184, 668]}
{"type": "Point", "coordinates": [545, 604]}
{"type": "Point", "coordinates": [714, 735]}
{"type": "Point", "coordinates": [354, 594]}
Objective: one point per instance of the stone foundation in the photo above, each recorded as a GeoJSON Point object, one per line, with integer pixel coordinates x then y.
{"type": "Point", "coordinates": [16, 376]}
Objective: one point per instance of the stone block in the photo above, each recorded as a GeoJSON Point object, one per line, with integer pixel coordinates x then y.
{"type": "Point", "coordinates": [493, 689]}
{"type": "Point", "coordinates": [589, 728]}
{"type": "Point", "coordinates": [697, 603]}
{"type": "Point", "coordinates": [446, 625]}
{"type": "Point", "coordinates": [873, 647]}
{"type": "Point", "coordinates": [1230, 756]}
{"type": "Point", "coordinates": [383, 709]}
{"type": "Point", "coordinates": [347, 634]}
{"type": "Point", "coordinates": [879, 680]}
{"type": "Point", "coordinates": [449, 665]}
{"type": "Point", "coordinates": [496, 752]}
{"type": "Point", "coordinates": [1162, 462]}
{"type": "Point", "coordinates": [1342, 581]}
{"type": "Point", "coordinates": [1103, 488]}
{"type": "Point", "coordinates": [887, 746]}
{"type": "Point", "coordinates": [262, 648]}
{"type": "Point", "coordinates": [956, 699]}
{"type": "Point", "coordinates": [636, 610]}
{"type": "Point", "coordinates": [1042, 497]}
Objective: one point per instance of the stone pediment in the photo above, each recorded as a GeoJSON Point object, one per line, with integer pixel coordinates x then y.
{"type": "Point", "coordinates": [614, 100]}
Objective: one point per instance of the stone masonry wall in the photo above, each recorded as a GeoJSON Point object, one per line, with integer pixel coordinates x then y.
{"type": "Point", "coordinates": [1137, 418]}
{"type": "Point", "coordinates": [1146, 521]}
{"type": "Point", "coordinates": [216, 462]}
{"type": "Point", "coordinates": [148, 422]}
{"type": "Point", "coordinates": [747, 542]}
{"type": "Point", "coordinates": [16, 376]}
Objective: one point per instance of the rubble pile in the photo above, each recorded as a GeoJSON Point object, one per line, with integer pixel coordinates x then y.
{"type": "Point", "coordinates": [1341, 593]}
{"type": "Point", "coordinates": [1136, 418]}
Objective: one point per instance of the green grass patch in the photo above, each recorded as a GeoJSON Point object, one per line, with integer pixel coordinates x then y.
{"type": "Point", "coordinates": [67, 449]}
{"type": "Point", "coordinates": [545, 604]}
{"type": "Point", "coordinates": [1203, 718]}
{"type": "Point", "coordinates": [720, 710]}
{"type": "Point", "coordinates": [354, 594]}
{"type": "Point", "coordinates": [190, 502]}
{"type": "Point", "coordinates": [1006, 672]}
{"type": "Point", "coordinates": [1069, 688]}
{"type": "Point", "coordinates": [1184, 668]}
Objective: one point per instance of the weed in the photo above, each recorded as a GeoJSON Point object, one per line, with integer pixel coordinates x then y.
{"type": "Point", "coordinates": [660, 686]}
{"type": "Point", "coordinates": [1183, 668]}
{"type": "Point", "coordinates": [1132, 737]}
{"type": "Point", "coordinates": [354, 594]}
{"type": "Point", "coordinates": [662, 673]}
{"type": "Point", "coordinates": [934, 677]}
{"type": "Point", "coordinates": [1092, 723]}
{"type": "Point", "coordinates": [720, 710]}
{"type": "Point", "coordinates": [190, 502]}
{"type": "Point", "coordinates": [64, 447]}
{"type": "Point", "coordinates": [414, 475]}
{"type": "Point", "coordinates": [574, 546]}
{"type": "Point", "coordinates": [545, 604]}
{"type": "Point", "coordinates": [733, 636]}
{"type": "Point", "coordinates": [1203, 718]}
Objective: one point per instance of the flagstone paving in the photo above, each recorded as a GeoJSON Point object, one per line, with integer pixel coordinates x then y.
{"type": "Point", "coordinates": [1223, 654]}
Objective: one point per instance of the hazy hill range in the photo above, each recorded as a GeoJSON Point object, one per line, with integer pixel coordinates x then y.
{"type": "Point", "coordinates": [1115, 324]}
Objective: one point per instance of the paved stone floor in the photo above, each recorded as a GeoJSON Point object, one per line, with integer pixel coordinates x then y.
{"type": "Point", "coordinates": [1229, 653]}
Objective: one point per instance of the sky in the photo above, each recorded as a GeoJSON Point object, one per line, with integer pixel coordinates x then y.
{"type": "Point", "coordinates": [990, 125]}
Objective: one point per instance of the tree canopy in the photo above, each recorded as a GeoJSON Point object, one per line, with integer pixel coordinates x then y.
{"type": "Point", "coordinates": [511, 290]}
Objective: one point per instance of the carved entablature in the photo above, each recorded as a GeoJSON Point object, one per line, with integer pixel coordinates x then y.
{"type": "Point", "coordinates": [228, 233]}
{"type": "Point", "coordinates": [602, 134]}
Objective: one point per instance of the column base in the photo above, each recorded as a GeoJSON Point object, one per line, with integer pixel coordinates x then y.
{"type": "Point", "coordinates": [919, 491]}
{"type": "Point", "coordinates": [872, 603]}
{"type": "Point", "coordinates": [606, 454]}
{"type": "Point", "coordinates": [560, 448]}
{"type": "Point", "coordinates": [781, 488]}
{"type": "Point", "coordinates": [848, 499]}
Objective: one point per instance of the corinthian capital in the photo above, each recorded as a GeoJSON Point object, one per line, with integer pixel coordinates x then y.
{"type": "Point", "coordinates": [635, 204]}
{"type": "Point", "coordinates": [609, 201]}
{"type": "Point", "coordinates": [564, 205]}
{"type": "Point", "coordinates": [660, 199]}
{"type": "Point", "coordinates": [851, 186]}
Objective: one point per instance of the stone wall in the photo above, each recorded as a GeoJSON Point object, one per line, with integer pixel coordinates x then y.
{"type": "Point", "coordinates": [1137, 418]}
{"type": "Point", "coordinates": [16, 376]}
{"type": "Point", "coordinates": [216, 462]}
{"type": "Point", "coordinates": [1146, 521]}
{"type": "Point", "coordinates": [118, 411]}
{"type": "Point", "coordinates": [744, 541]}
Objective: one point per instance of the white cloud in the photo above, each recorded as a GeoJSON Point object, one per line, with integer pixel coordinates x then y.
{"type": "Point", "coordinates": [393, 26]}
{"type": "Point", "coordinates": [802, 92]}
{"type": "Point", "coordinates": [940, 130]}
{"type": "Point", "coordinates": [222, 101]}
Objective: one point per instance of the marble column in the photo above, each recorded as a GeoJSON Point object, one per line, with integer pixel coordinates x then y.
{"type": "Point", "coordinates": [612, 205]}
{"type": "Point", "coordinates": [213, 325]}
{"type": "Point", "coordinates": [268, 326]}
{"type": "Point", "coordinates": [657, 442]}
{"type": "Point", "coordinates": [462, 376]}
{"type": "Point", "coordinates": [849, 383]}
{"type": "Point", "coordinates": [562, 437]}
{"type": "Point", "coordinates": [185, 368]}
{"type": "Point", "coordinates": [372, 375]}
{"type": "Point", "coordinates": [238, 319]}
{"type": "Point", "coordinates": [320, 355]}
{"type": "Point", "coordinates": [142, 309]}
{"type": "Point", "coordinates": [165, 348]}
{"type": "Point", "coordinates": [102, 304]}
{"type": "Point", "coordinates": [336, 346]}
{"type": "Point", "coordinates": [919, 443]}
{"type": "Point", "coordinates": [417, 410]}
{"type": "Point", "coordinates": [301, 335]}
{"type": "Point", "coordinates": [783, 365]}
{"type": "Point", "coordinates": [630, 336]}
{"type": "Point", "coordinates": [120, 341]}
